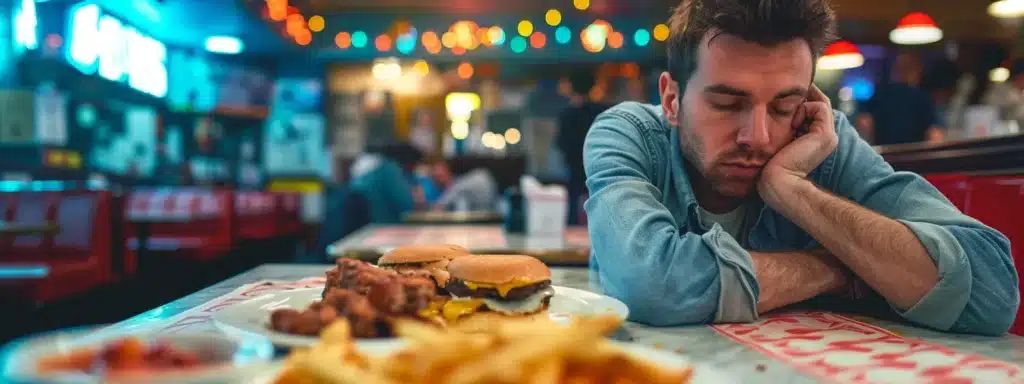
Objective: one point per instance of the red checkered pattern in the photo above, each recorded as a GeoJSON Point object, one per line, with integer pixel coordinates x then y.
{"type": "Point", "coordinates": [172, 206]}
{"type": "Point", "coordinates": [254, 203]}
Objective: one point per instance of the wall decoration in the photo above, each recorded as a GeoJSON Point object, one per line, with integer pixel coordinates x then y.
{"type": "Point", "coordinates": [50, 116]}
{"type": "Point", "coordinates": [293, 144]}
{"type": "Point", "coordinates": [201, 83]}
{"type": "Point", "coordinates": [17, 125]}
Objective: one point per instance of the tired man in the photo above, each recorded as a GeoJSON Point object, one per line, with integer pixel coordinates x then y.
{"type": "Point", "coordinates": [744, 191]}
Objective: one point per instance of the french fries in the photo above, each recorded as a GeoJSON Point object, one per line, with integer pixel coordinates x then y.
{"type": "Point", "coordinates": [497, 351]}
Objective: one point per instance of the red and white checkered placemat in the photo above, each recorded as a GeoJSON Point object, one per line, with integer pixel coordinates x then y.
{"type": "Point", "coordinates": [200, 318]}
{"type": "Point", "coordinates": [843, 350]}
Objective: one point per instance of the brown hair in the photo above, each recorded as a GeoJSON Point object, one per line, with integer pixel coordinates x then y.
{"type": "Point", "coordinates": [766, 22]}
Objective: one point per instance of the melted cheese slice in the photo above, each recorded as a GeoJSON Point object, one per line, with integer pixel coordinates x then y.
{"type": "Point", "coordinates": [457, 308]}
{"type": "Point", "coordinates": [502, 288]}
{"type": "Point", "coordinates": [432, 310]}
{"type": "Point", "coordinates": [460, 306]}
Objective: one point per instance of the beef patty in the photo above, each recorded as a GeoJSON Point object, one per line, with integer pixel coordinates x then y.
{"type": "Point", "coordinates": [458, 288]}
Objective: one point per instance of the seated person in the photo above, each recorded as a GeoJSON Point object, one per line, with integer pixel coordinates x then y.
{"type": "Point", "coordinates": [383, 175]}
{"type": "Point", "coordinates": [475, 190]}
{"type": "Point", "coordinates": [744, 191]}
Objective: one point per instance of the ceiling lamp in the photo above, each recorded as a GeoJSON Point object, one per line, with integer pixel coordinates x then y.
{"type": "Point", "coordinates": [916, 28]}
{"type": "Point", "coordinates": [999, 75]}
{"type": "Point", "coordinates": [841, 55]}
{"type": "Point", "coordinates": [224, 44]}
{"type": "Point", "coordinates": [1006, 8]}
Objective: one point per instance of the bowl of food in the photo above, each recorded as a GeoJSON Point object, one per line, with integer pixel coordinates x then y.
{"type": "Point", "coordinates": [92, 355]}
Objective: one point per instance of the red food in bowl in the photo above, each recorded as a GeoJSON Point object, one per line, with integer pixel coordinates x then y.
{"type": "Point", "coordinates": [124, 356]}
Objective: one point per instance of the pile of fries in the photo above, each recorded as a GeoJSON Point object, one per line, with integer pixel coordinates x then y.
{"type": "Point", "coordinates": [509, 351]}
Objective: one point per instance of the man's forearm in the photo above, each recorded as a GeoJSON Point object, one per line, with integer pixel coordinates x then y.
{"type": "Point", "coordinates": [790, 277]}
{"type": "Point", "coordinates": [881, 251]}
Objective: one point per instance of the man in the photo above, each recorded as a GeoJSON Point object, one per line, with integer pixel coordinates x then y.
{"type": "Point", "coordinates": [384, 176]}
{"type": "Point", "coordinates": [475, 190]}
{"type": "Point", "coordinates": [900, 111]}
{"type": "Point", "coordinates": [573, 124]}
{"type": "Point", "coordinates": [744, 191]}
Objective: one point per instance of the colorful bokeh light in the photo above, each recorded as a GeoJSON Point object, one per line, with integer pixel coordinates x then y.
{"type": "Point", "coordinates": [518, 44]}
{"type": "Point", "coordinates": [359, 39]}
{"type": "Point", "coordinates": [563, 35]}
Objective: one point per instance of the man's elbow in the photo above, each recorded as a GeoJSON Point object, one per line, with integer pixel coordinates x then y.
{"type": "Point", "coordinates": [994, 317]}
{"type": "Point", "coordinates": [661, 309]}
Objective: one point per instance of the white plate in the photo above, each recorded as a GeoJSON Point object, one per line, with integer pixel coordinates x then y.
{"type": "Point", "coordinates": [703, 373]}
{"type": "Point", "coordinates": [235, 357]}
{"type": "Point", "coordinates": [253, 315]}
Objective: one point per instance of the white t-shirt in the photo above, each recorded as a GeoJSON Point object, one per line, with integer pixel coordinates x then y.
{"type": "Point", "coordinates": [736, 222]}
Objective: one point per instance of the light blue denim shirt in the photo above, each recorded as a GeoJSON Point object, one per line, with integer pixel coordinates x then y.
{"type": "Point", "coordinates": [651, 251]}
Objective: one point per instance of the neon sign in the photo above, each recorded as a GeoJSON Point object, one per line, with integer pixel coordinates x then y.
{"type": "Point", "coordinates": [25, 22]}
{"type": "Point", "coordinates": [100, 43]}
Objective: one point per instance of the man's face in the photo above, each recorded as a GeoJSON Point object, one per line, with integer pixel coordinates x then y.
{"type": "Point", "coordinates": [738, 108]}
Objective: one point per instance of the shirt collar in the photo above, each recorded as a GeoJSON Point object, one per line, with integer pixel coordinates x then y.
{"type": "Point", "coordinates": [677, 162]}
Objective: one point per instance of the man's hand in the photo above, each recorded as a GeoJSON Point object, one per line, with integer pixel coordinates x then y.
{"type": "Point", "coordinates": [816, 138]}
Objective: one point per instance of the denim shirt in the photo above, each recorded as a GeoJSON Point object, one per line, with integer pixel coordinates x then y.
{"type": "Point", "coordinates": [652, 251]}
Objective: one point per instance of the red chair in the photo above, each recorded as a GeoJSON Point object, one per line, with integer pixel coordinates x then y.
{"type": "Point", "coordinates": [191, 223]}
{"type": "Point", "coordinates": [77, 258]}
{"type": "Point", "coordinates": [32, 208]}
{"type": "Point", "coordinates": [998, 201]}
{"type": "Point", "coordinates": [953, 185]}
{"type": "Point", "coordinates": [256, 215]}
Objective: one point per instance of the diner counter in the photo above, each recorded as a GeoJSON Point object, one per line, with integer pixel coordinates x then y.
{"type": "Point", "coordinates": [720, 349]}
{"type": "Point", "coordinates": [991, 155]}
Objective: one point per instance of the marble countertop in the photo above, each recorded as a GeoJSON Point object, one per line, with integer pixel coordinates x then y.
{"type": "Point", "coordinates": [700, 343]}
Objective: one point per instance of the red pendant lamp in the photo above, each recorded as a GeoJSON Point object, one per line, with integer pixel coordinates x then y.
{"type": "Point", "coordinates": [916, 28]}
{"type": "Point", "coordinates": [841, 55]}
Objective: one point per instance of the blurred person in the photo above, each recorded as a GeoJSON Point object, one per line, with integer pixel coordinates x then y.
{"type": "Point", "coordinates": [940, 81]}
{"type": "Point", "coordinates": [573, 124]}
{"type": "Point", "coordinates": [475, 190]}
{"type": "Point", "coordinates": [384, 175]}
{"type": "Point", "coordinates": [900, 111]}
{"type": "Point", "coordinates": [744, 192]}
{"type": "Point", "coordinates": [1008, 96]}
{"type": "Point", "coordinates": [543, 104]}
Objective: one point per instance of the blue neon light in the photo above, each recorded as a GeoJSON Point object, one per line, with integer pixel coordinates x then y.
{"type": "Point", "coordinates": [100, 43]}
{"type": "Point", "coordinates": [26, 34]}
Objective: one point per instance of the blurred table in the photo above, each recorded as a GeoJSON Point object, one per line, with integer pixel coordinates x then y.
{"type": "Point", "coordinates": [369, 243]}
{"type": "Point", "coordinates": [702, 344]}
{"type": "Point", "coordinates": [465, 217]}
{"type": "Point", "coordinates": [8, 228]}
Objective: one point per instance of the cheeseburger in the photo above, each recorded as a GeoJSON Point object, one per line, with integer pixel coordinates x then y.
{"type": "Point", "coordinates": [509, 285]}
{"type": "Point", "coordinates": [418, 259]}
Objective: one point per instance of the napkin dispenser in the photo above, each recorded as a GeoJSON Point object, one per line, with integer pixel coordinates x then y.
{"type": "Point", "coordinates": [546, 207]}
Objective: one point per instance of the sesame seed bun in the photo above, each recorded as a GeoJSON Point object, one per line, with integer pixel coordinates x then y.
{"type": "Point", "coordinates": [422, 254]}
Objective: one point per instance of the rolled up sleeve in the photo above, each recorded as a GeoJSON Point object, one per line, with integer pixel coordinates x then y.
{"type": "Point", "coordinates": [977, 290]}
{"type": "Point", "coordinates": [664, 274]}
